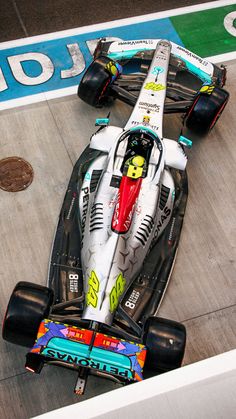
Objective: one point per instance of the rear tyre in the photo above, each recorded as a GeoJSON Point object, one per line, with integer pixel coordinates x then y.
{"type": "Point", "coordinates": [206, 110]}
{"type": "Point", "coordinates": [28, 306]}
{"type": "Point", "coordinates": [93, 88]}
{"type": "Point", "coordinates": [165, 341]}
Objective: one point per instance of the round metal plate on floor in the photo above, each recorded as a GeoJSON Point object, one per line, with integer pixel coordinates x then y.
{"type": "Point", "coordinates": [16, 174]}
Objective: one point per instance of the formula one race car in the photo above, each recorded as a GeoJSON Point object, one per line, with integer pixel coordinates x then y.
{"type": "Point", "coordinates": [120, 223]}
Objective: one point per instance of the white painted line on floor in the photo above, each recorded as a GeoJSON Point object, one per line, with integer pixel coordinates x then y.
{"type": "Point", "coordinates": [26, 100]}
{"type": "Point", "coordinates": [117, 23]}
{"type": "Point", "coordinates": [228, 56]}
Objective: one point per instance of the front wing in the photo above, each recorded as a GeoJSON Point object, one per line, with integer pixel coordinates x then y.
{"type": "Point", "coordinates": [134, 49]}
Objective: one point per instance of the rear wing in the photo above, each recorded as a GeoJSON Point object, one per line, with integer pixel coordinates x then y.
{"type": "Point", "coordinates": [73, 347]}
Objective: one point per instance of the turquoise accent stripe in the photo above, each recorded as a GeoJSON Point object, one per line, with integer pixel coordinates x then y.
{"type": "Point", "coordinates": [143, 128]}
{"type": "Point", "coordinates": [197, 71]}
{"type": "Point", "coordinates": [125, 55]}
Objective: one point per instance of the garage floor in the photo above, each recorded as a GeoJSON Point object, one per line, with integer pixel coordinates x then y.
{"type": "Point", "coordinates": [202, 291]}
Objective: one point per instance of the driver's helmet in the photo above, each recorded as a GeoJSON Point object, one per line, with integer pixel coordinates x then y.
{"type": "Point", "coordinates": [135, 166]}
{"type": "Point", "coordinates": [137, 154]}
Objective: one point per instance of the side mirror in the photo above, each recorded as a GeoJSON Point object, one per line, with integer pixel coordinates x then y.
{"type": "Point", "coordinates": [185, 141]}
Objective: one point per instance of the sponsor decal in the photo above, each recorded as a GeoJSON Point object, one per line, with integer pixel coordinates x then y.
{"type": "Point", "coordinates": [146, 122]}
{"type": "Point", "coordinates": [154, 127]}
{"type": "Point", "coordinates": [132, 300]}
{"type": "Point", "coordinates": [117, 210]}
{"type": "Point", "coordinates": [171, 231]}
{"type": "Point", "coordinates": [135, 123]}
{"type": "Point", "coordinates": [192, 55]}
{"type": "Point", "coordinates": [138, 209]}
{"type": "Point", "coordinates": [161, 57]}
{"type": "Point", "coordinates": [155, 87]}
{"type": "Point", "coordinates": [165, 214]}
{"type": "Point", "coordinates": [149, 107]}
{"type": "Point", "coordinates": [112, 203]}
{"type": "Point", "coordinates": [127, 222]}
{"type": "Point", "coordinates": [78, 335]}
{"type": "Point", "coordinates": [85, 200]}
{"type": "Point", "coordinates": [93, 289]}
{"type": "Point", "coordinates": [141, 42]}
{"type": "Point", "coordinates": [85, 362]}
{"type": "Point", "coordinates": [73, 282]}
{"type": "Point", "coordinates": [71, 206]}
{"type": "Point", "coordinates": [87, 176]}
{"type": "Point", "coordinates": [116, 292]}
{"type": "Point", "coordinates": [157, 70]}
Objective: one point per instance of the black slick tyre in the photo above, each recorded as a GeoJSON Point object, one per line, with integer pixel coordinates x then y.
{"type": "Point", "coordinates": [165, 341]}
{"type": "Point", "coordinates": [206, 110]}
{"type": "Point", "coordinates": [28, 306]}
{"type": "Point", "coordinates": [93, 87]}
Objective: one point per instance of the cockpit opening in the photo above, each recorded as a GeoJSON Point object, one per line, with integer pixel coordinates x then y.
{"type": "Point", "coordinates": [137, 154]}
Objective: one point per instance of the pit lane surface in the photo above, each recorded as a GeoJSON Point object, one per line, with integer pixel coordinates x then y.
{"type": "Point", "coordinates": [21, 18]}
{"type": "Point", "coordinates": [201, 294]}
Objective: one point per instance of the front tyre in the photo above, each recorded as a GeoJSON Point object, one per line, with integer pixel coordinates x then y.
{"type": "Point", "coordinates": [165, 341]}
{"type": "Point", "coordinates": [206, 110]}
{"type": "Point", "coordinates": [93, 87]}
{"type": "Point", "coordinates": [28, 306]}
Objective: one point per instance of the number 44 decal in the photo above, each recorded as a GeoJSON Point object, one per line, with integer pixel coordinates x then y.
{"type": "Point", "coordinates": [92, 294]}
{"type": "Point", "coordinates": [93, 289]}
{"type": "Point", "coordinates": [116, 292]}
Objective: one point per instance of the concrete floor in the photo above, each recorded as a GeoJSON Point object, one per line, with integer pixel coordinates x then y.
{"type": "Point", "coordinates": [202, 291]}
